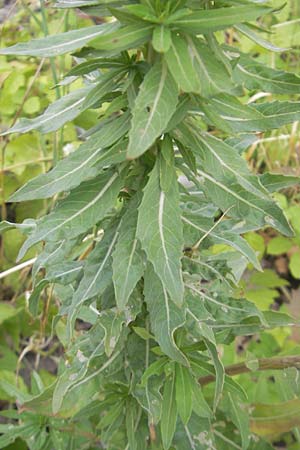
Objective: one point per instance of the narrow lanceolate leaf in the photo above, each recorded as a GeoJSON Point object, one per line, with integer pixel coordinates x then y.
{"type": "Point", "coordinates": [128, 258]}
{"type": "Point", "coordinates": [212, 72]}
{"type": "Point", "coordinates": [181, 66]}
{"type": "Point", "coordinates": [84, 163]}
{"type": "Point", "coordinates": [229, 114]}
{"type": "Point", "coordinates": [112, 322]}
{"type": "Point", "coordinates": [124, 38]}
{"type": "Point", "coordinates": [184, 392]}
{"type": "Point", "coordinates": [106, 84]}
{"type": "Point", "coordinates": [169, 412]}
{"type": "Point", "coordinates": [229, 184]}
{"type": "Point", "coordinates": [154, 106]}
{"type": "Point", "coordinates": [97, 273]}
{"type": "Point", "coordinates": [57, 114]}
{"type": "Point", "coordinates": [161, 39]}
{"type": "Point", "coordinates": [82, 209]}
{"type": "Point", "coordinates": [220, 236]}
{"type": "Point", "coordinates": [205, 21]}
{"type": "Point", "coordinates": [239, 417]}
{"type": "Point", "coordinates": [274, 182]}
{"type": "Point", "coordinates": [165, 316]}
{"type": "Point", "coordinates": [273, 419]}
{"type": "Point", "coordinates": [247, 31]}
{"type": "Point", "coordinates": [59, 44]}
{"type": "Point", "coordinates": [160, 232]}
{"type": "Point", "coordinates": [219, 369]}
{"type": "Point", "coordinates": [278, 113]}
{"type": "Point", "coordinates": [255, 75]}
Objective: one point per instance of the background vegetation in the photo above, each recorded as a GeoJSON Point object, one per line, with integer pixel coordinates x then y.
{"type": "Point", "coordinates": [29, 354]}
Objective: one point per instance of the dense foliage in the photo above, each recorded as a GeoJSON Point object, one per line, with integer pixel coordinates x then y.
{"type": "Point", "coordinates": [143, 302]}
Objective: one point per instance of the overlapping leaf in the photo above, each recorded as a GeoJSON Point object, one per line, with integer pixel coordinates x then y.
{"type": "Point", "coordinates": [84, 163]}
{"type": "Point", "coordinates": [159, 229]}
{"type": "Point", "coordinates": [153, 108]}
{"type": "Point", "coordinates": [82, 209]}
{"type": "Point", "coordinates": [59, 44]}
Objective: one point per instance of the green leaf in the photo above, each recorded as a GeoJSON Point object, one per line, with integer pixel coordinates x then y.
{"type": "Point", "coordinates": [82, 209]}
{"type": "Point", "coordinates": [230, 185]}
{"type": "Point", "coordinates": [159, 229]}
{"type": "Point", "coordinates": [58, 44]}
{"type": "Point", "coordinates": [229, 114]}
{"type": "Point", "coordinates": [161, 39]}
{"type": "Point", "coordinates": [211, 72]}
{"type": "Point", "coordinates": [256, 75]}
{"type": "Point", "coordinates": [181, 65]}
{"type": "Point", "coordinates": [219, 236]}
{"type": "Point", "coordinates": [97, 274]}
{"type": "Point", "coordinates": [169, 412]}
{"type": "Point", "coordinates": [57, 114]}
{"type": "Point", "coordinates": [112, 322]}
{"type": "Point", "coordinates": [124, 38]}
{"type": "Point", "coordinates": [279, 245]}
{"type": "Point", "coordinates": [220, 371]}
{"type": "Point", "coordinates": [239, 416]}
{"type": "Point", "coordinates": [204, 21]}
{"type": "Point", "coordinates": [128, 259]}
{"type": "Point", "coordinates": [165, 316]}
{"type": "Point", "coordinates": [295, 265]}
{"type": "Point", "coordinates": [274, 182]}
{"type": "Point", "coordinates": [274, 419]}
{"type": "Point", "coordinates": [247, 31]}
{"type": "Point", "coordinates": [131, 423]}
{"type": "Point", "coordinates": [154, 106]}
{"type": "Point", "coordinates": [84, 163]}
{"type": "Point", "coordinates": [105, 84]}
{"type": "Point", "coordinates": [184, 385]}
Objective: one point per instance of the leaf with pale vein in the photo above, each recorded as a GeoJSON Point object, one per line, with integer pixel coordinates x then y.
{"type": "Point", "coordinates": [181, 65]}
{"type": "Point", "coordinates": [97, 273]}
{"type": "Point", "coordinates": [153, 108]}
{"type": "Point", "coordinates": [230, 185]}
{"type": "Point", "coordinates": [256, 75]}
{"type": "Point", "coordinates": [58, 44]}
{"type": "Point", "coordinates": [211, 72]}
{"type": "Point", "coordinates": [84, 163]}
{"type": "Point", "coordinates": [57, 114]}
{"type": "Point", "coordinates": [169, 412]}
{"type": "Point", "coordinates": [82, 209]}
{"type": "Point", "coordinates": [128, 259]}
{"type": "Point", "coordinates": [165, 316]}
{"type": "Point", "coordinates": [230, 115]}
{"type": "Point", "coordinates": [204, 21]}
{"type": "Point", "coordinates": [159, 229]}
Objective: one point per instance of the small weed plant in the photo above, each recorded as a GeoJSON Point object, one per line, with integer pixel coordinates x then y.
{"type": "Point", "coordinates": [144, 307]}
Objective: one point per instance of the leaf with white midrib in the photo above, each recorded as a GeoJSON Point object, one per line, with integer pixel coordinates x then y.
{"type": "Point", "coordinates": [79, 165]}
{"type": "Point", "coordinates": [224, 237]}
{"type": "Point", "coordinates": [205, 21]}
{"type": "Point", "coordinates": [57, 114]}
{"type": "Point", "coordinates": [165, 316]}
{"type": "Point", "coordinates": [169, 412]}
{"type": "Point", "coordinates": [159, 229]}
{"type": "Point", "coordinates": [59, 44]}
{"type": "Point", "coordinates": [228, 182]}
{"type": "Point", "coordinates": [82, 209]}
{"type": "Point", "coordinates": [97, 273]}
{"type": "Point", "coordinates": [128, 258]}
{"type": "Point", "coordinates": [258, 76]}
{"type": "Point", "coordinates": [154, 106]}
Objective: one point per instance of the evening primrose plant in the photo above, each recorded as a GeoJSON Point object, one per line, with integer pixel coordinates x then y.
{"type": "Point", "coordinates": [144, 306]}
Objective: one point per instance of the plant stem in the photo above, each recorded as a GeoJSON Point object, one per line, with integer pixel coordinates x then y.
{"type": "Point", "coordinates": [52, 62]}
{"type": "Point", "coordinates": [278, 363]}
